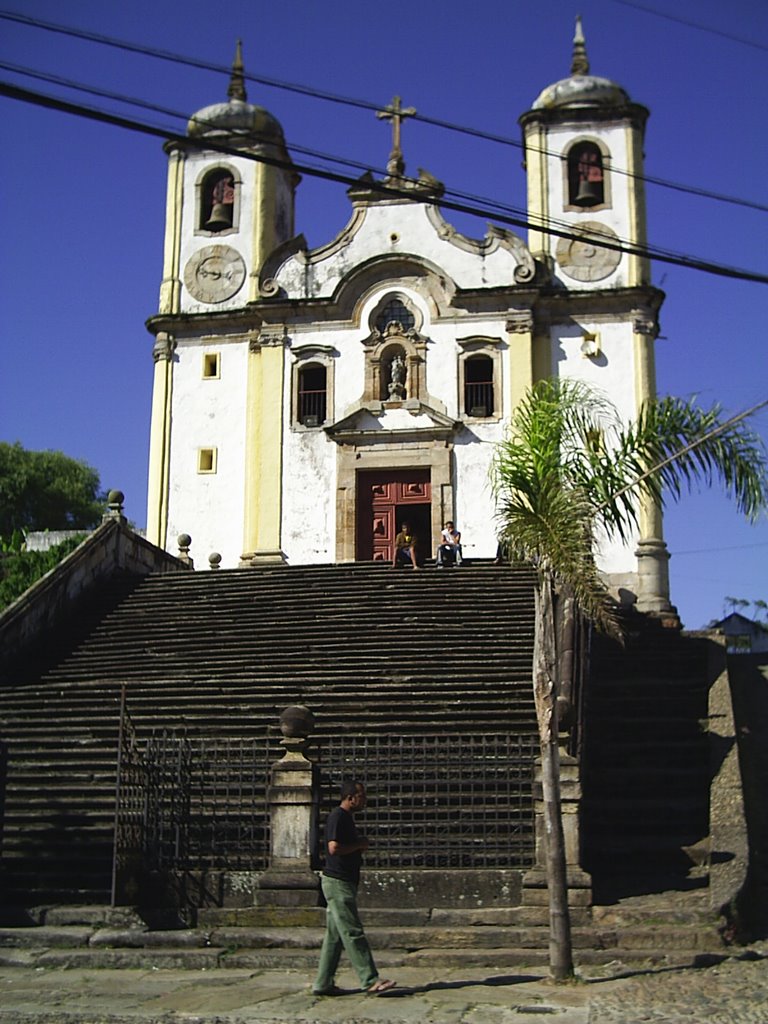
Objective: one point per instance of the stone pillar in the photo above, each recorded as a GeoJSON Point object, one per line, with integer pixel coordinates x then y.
{"type": "Point", "coordinates": [289, 881]}
{"type": "Point", "coordinates": [579, 882]}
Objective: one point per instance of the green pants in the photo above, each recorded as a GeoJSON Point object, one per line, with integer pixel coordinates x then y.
{"type": "Point", "coordinates": [343, 930]}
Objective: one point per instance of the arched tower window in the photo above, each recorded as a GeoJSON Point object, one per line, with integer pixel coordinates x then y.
{"type": "Point", "coordinates": [312, 395]}
{"type": "Point", "coordinates": [217, 209]}
{"type": "Point", "coordinates": [586, 175]}
{"type": "Point", "coordinates": [478, 386]}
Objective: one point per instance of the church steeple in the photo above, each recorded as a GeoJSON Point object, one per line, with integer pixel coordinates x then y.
{"type": "Point", "coordinates": [236, 90]}
{"type": "Point", "coordinates": [580, 61]}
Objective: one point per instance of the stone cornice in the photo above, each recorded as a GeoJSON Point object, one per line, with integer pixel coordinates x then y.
{"type": "Point", "coordinates": [635, 113]}
{"type": "Point", "coordinates": [627, 303]}
{"type": "Point", "coordinates": [225, 321]}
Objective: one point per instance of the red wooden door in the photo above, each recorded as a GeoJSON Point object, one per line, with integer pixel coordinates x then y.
{"type": "Point", "coordinates": [383, 499]}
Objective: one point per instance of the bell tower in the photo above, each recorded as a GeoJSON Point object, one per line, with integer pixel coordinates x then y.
{"type": "Point", "coordinates": [583, 139]}
{"type": "Point", "coordinates": [230, 203]}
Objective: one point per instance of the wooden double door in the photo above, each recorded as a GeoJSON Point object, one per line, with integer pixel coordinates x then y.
{"type": "Point", "coordinates": [385, 500]}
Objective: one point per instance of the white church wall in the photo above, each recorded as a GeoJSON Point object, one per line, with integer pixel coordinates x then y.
{"type": "Point", "coordinates": [473, 453]}
{"type": "Point", "coordinates": [612, 371]}
{"type": "Point", "coordinates": [396, 229]}
{"type": "Point", "coordinates": [208, 414]}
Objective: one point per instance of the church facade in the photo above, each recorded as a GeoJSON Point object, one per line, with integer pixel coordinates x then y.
{"type": "Point", "coordinates": [306, 402]}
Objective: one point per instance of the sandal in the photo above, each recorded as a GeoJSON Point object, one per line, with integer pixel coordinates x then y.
{"type": "Point", "coordinates": [380, 986]}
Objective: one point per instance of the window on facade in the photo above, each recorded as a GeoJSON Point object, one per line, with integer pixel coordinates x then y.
{"type": "Point", "coordinates": [586, 175]}
{"type": "Point", "coordinates": [206, 460]}
{"type": "Point", "coordinates": [218, 201]}
{"type": "Point", "coordinates": [211, 365]}
{"type": "Point", "coordinates": [312, 395]}
{"type": "Point", "coordinates": [395, 310]}
{"type": "Point", "coordinates": [478, 386]}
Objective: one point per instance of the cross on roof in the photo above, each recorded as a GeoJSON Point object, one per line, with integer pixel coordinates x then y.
{"type": "Point", "coordinates": [396, 113]}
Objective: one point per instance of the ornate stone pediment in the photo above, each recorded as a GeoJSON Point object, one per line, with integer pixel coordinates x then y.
{"type": "Point", "coordinates": [410, 420]}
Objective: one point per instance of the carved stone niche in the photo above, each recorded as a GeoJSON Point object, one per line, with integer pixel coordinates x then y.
{"type": "Point", "coordinates": [384, 381]}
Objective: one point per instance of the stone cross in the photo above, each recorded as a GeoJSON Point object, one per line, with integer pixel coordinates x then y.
{"type": "Point", "coordinates": [396, 113]}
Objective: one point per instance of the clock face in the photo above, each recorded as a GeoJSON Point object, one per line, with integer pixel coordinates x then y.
{"type": "Point", "coordinates": [584, 259]}
{"type": "Point", "coordinates": [214, 273]}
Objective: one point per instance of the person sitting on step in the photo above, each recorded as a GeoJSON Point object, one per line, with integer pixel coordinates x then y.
{"type": "Point", "coordinates": [405, 548]}
{"type": "Point", "coordinates": [449, 548]}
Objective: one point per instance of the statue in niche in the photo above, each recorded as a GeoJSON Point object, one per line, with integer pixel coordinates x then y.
{"type": "Point", "coordinates": [397, 373]}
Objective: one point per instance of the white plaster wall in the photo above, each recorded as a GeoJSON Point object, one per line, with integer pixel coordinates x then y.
{"type": "Point", "coordinates": [616, 216]}
{"type": "Point", "coordinates": [396, 229]}
{"type": "Point", "coordinates": [309, 479]}
{"type": "Point", "coordinates": [194, 166]}
{"type": "Point", "coordinates": [474, 504]}
{"type": "Point", "coordinates": [613, 372]}
{"type": "Point", "coordinates": [208, 414]}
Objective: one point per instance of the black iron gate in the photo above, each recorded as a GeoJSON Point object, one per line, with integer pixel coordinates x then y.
{"type": "Point", "coordinates": [190, 805]}
{"type": "Point", "coordinates": [187, 805]}
{"type": "Point", "coordinates": [443, 801]}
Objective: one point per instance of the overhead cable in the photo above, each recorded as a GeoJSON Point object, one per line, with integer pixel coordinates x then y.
{"type": "Point", "coordinates": [314, 93]}
{"type": "Point", "coordinates": [646, 252]}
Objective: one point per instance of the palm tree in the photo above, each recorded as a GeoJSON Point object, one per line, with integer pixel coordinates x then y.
{"type": "Point", "coordinates": [567, 470]}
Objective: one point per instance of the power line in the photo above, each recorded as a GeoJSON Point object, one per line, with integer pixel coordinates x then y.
{"type": "Point", "coordinates": [492, 206]}
{"type": "Point", "coordinates": [693, 24]}
{"type": "Point", "coordinates": [349, 101]}
{"type": "Point", "coordinates": [732, 547]}
{"type": "Point", "coordinates": [645, 252]}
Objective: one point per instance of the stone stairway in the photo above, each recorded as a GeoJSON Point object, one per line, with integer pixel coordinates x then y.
{"type": "Point", "coordinates": [220, 654]}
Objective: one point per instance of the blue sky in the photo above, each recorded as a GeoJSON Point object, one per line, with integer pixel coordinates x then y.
{"type": "Point", "coordinates": [83, 203]}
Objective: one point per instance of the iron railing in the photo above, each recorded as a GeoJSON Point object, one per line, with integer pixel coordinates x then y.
{"type": "Point", "coordinates": [442, 801]}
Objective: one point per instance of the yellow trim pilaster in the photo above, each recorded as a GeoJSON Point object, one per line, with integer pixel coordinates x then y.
{"type": "Point", "coordinates": [521, 361]}
{"type": "Point", "coordinates": [538, 187]}
{"type": "Point", "coordinates": [160, 442]}
{"type": "Point", "coordinates": [264, 452]}
{"type": "Point", "coordinates": [645, 389]}
{"type": "Point", "coordinates": [170, 289]}
{"type": "Point", "coordinates": [639, 266]}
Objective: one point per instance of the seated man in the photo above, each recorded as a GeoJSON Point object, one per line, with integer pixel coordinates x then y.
{"type": "Point", "coordinates": [449, 548]}
{"type": "Point", "coordinates": [405, 548]}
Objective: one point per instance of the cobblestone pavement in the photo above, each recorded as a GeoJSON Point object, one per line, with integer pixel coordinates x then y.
{"type": "Point", "coordinates": [733, 991]}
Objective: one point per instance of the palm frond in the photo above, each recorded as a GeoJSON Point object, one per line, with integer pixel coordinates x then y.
{"type": "Point", "coordinates": [568, 466]}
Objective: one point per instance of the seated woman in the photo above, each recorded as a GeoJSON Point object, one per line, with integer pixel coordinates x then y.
{"type": "Point", "coordinates": [405, 548]}
{"type": "Point", "coordinates": [449, 548]}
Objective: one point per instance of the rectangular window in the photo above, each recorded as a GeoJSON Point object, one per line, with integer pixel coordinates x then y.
{"type": "Point", "coordinates": [312, 395]}
{"type": "Point", "coordinates": [211, 366]}
{"type": "Point", "coordinates": [206, 460]}
{"type": "Point", "coordinates": [478, 386]}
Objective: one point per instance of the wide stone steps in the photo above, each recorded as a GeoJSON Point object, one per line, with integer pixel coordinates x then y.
{"type": "Point", "coordinates": [220, 654]}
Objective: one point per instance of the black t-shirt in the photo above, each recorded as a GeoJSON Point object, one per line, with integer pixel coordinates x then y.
{"type": "Point", "coordinates": [340, 828]}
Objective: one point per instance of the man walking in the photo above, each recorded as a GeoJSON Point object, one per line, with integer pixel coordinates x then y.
{"type": "Point", "coordinates": [343, 929]}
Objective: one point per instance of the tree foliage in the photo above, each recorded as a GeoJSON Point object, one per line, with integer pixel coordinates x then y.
{"type": "Point", "coordinates": [569, 467]}
{"type": "Point", "coordinates": [46, 490]}
{"type": "Point", "coordinates": [20, 569]}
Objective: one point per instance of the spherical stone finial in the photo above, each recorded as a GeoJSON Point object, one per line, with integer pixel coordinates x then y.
{"type": "Point", "coordinates": [297, 722]}
{"type": "Point", "coordinates": [184, 541]}
{"type": "Point", "coordinates": [214, 560]}
{"type": "Point", "coordinates": [115, 498]}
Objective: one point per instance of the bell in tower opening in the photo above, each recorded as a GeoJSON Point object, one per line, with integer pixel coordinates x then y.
{"type": "Point", "coordinates": [218, 207]}
{"type": "Point", "coordinates": [586, 180]}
